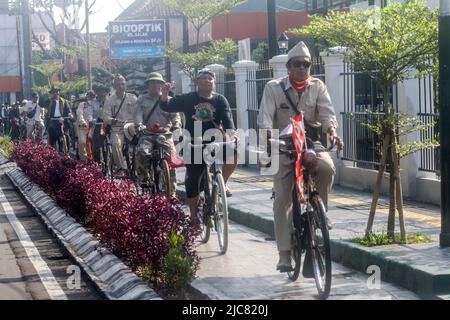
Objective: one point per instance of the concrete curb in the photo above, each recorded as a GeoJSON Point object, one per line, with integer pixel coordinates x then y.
{"type": "Point", "coordinates": [108, 273]}
{"type": "Point", "coordinates": [425, 283]}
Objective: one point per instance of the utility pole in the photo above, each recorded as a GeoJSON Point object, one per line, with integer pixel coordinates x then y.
{"type": "Point", "coordinates": [88, 47]}
{"type": "Point", "coordinates": [272, 31]}
{"type": "Point", "coordinates": [444, 119]}
{"type": "Point", "coordinates": [19, 52]}
{"type": "Point", "coordinates": [27, 49]}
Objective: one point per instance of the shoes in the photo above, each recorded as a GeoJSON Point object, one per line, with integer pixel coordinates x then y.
{"type": "Point", "coordinates": [284, 264]}
{"type": "Point", "coordinates": [228, 192]}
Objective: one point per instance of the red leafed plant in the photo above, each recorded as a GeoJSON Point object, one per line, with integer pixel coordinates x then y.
{"type": "Point", "coordinates": [136, 228]}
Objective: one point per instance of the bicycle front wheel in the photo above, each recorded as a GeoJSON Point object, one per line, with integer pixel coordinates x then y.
{"type": "Point", "coordinates": [320, 248]}
{"type": "Point", "coordinates": [203, 217]}
{"type": "Point", "coordinates": [164, 182]}
{"type": "Point", "coordinates": [296, 251]}
{"type": "Point", "coordinates": [221, 214]}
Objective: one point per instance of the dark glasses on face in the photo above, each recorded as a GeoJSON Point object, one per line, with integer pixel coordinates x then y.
{"type": "Point", "coordinates": [298, 64]}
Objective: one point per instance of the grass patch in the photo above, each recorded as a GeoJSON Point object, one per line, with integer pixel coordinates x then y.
{"type": "Point", "coordinates": [382, 239]}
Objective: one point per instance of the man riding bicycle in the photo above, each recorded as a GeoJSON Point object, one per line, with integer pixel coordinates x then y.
{"type": "Point", "coordinates": [58, 122]}
{"type": "Point", "coordinates": [282, 99]}
{"type": "Point", "coordinates": [210, 110]}
{"type": "Point", "coordinates": [119, 109]}
{"type": "Point", "coordinates": [148, 113]}
{"type": "Point", "coordinates": [87, 114]}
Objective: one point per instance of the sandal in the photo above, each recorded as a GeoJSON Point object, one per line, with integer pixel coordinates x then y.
{"type": "Point", "coordinates": [228, 192]}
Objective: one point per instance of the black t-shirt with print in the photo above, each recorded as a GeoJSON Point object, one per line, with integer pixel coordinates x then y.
{"type": "Point", "coordinates": [197, 108]}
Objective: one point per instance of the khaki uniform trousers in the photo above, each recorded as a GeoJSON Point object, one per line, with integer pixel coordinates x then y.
{"type": "Point", "coordinates": [82, 139]}
{"type": "Point", "coordinates": [30, 129]}
{"type": "Point", "coordinates": [284, 181]}
{"type": "Point", "coordinates": [117, 142]}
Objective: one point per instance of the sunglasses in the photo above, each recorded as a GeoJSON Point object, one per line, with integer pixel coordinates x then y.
{"type": "Point", "coordinates": [298, 64]}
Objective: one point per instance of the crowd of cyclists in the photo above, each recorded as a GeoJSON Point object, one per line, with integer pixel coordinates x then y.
{"type": "Point", "coordinates": [102, 126]}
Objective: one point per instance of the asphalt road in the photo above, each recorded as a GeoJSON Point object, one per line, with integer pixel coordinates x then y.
{"type": "Point", "coordinates": [32, 265]}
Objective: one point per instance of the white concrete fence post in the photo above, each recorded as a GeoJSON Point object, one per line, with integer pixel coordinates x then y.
{"type": "Point", "coordinates": [244, 70]}
{"type": "Point", "coordinates": [278, 64]}
{"type": "Point", "coordinates": [334, 66]}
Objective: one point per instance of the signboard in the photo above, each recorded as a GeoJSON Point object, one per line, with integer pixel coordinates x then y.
{"type": "Point", "coordinates": [44, 40]}
{"type": "Point", "coordinates": [137, 39]}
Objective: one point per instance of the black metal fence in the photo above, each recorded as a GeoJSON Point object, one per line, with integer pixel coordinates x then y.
{"type": "Point", "coordinates": [429, 158]}
{"type": "Point", "coordinates": [227, 87]}
{"type": "Point", "coordinates": [363, 104]}
{"type": "Point", "coordinates": [256, 81]}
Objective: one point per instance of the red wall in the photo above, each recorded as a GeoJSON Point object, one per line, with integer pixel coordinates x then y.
{"type": "Point", "coordinates": [238, 26]}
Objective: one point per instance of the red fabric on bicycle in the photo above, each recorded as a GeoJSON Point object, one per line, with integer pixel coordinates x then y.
{"type": "Point", "coordinates": [299, 139]}
{"type": "Point", "coordinates": [89, 147]}
{"type": "Point", "coordinates": [174, 160]}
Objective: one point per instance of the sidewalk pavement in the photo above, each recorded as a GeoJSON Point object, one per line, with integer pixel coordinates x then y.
{"type": "Point", "coordinates": [421, 268]}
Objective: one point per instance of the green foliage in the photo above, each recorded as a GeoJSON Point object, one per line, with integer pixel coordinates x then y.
{"type": "Point", "coordinates": [191, 62]}
{"type": "Point", "coordinates": [383, 239]}
{"type": "Point", "coordinates": [76, 85]}
{"type": "Point", "coordinates": [259, 54]}
{"type": "Point", "coordinates": [6, 146]}
{"type": "Point", "coordinates": [178, 269]}
{"type": "Point", "coordinates": [199, 12]}
{"type": "Point", "coordinates": [387, 44]}
{"type": "Point", "coordinates": [48, 70]}
{"type": "Point", "coordinates": [405, 124]}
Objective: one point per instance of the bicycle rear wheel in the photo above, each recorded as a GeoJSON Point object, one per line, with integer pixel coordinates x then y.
{"type": "Point", "coordinates": [320, 248]}
{"type": "Point", "coordinates": [221, 213]}
{"type": "Point", "coordinates": [296, 251]}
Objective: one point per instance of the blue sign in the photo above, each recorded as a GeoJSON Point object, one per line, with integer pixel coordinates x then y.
{"type": "Point", "coordinates": [137, 39]}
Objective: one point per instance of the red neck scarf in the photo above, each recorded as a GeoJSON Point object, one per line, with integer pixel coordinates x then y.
{"type": "Point", "coordinates": [300, 86]}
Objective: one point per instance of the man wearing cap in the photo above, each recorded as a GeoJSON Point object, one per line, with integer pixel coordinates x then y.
{"type": "Point", "coordinates": [310, 96]}
{"type": "Point", "coordinates": [149, 113]}
{"type": "Point", "coordinates": [87, 113]}
{"type": "Point", "coordinates": [210, 110]}
{"type": "Point", "coordinates": [119, 109]}
{"type": "Point", "coordinates": [31, 107]}
{"type": "Point", "coordinates": [58, 121]}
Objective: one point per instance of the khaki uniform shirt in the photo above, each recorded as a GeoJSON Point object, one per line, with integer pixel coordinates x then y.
{"type": "Point", "coordinates": [166, 120]}
{"type": "Point", "coordinates": [87, 112]}
{"type": "Point", "coordinates": [275, 111]}
{"type": "Point", "coordinates": [125, 114]}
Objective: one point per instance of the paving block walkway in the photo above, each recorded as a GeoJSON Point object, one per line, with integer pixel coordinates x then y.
{"type": "Point", "coordinates": [423, 268]}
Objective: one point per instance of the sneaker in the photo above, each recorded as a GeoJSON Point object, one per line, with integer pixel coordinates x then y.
{"type": "Point", "coordinates": [284, 264]}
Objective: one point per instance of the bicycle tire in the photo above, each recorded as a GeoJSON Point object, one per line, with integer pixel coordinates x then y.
{"type": "Point", "coordinates": [221, 213]}
{"type": "Point", "coordinates": [320, 251]}
{"type": "Point", "coordinates": [296, 251]}
{"type": "Point", "coordinates": [205, 230]}
{"type": "Point", "coordinates": [164, 184]}
{"type": "Point", "coordinates": [109, 162]}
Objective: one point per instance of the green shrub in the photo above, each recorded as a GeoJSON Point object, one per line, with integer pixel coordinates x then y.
{"type": "Point", "coordinates": [178, 268]}
{"type": "Point", "coordinates": [6, 146]}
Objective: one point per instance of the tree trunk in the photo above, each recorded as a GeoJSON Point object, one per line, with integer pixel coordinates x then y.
{"type": "Point", "coordinates": [391, 217]}
{"type": "Point", "coordinates": [399, 195]}
{"type": "Point", "coordinates": [376, 192]}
